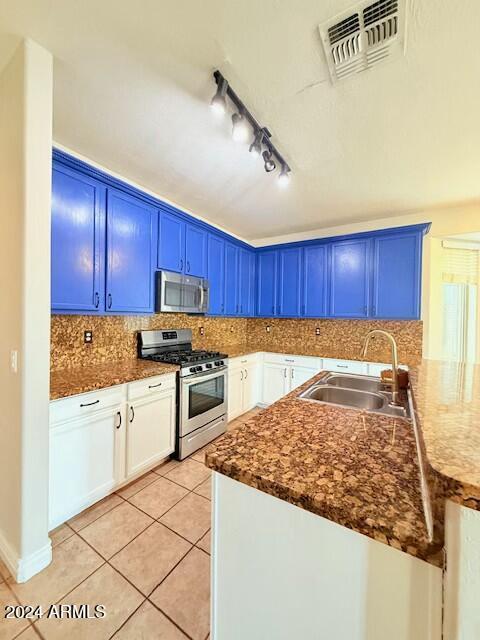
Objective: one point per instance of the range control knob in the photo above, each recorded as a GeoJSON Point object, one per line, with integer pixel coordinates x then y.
{"type": "Point", "coordinates": [209, 365]}
{"type": "Point", "coordinates": [193, 369]}
{"type": "Point", "coordinates": [200, 368]}
{"type": "Point", "coordinates": [219, 363]}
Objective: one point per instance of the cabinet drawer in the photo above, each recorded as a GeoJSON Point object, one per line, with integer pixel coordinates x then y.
{"type": "Point", "coordinates": [151, 385]}
{"type": "Point", "coordinates": [345, 366]}
{"type": "Point", "coordinates": [295, 361]}
{"type": "Point", "coordinates": [85, 404]}
{"type": "Point", "coordinates": [242, 361]}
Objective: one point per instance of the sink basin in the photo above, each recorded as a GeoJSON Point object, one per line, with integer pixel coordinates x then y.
{"type": "Point", "coordinates": [362, 383]}
{"type": "Point", "coordinates": [355, 392]}
{"type": "Point", "coordinates": [346, 397]}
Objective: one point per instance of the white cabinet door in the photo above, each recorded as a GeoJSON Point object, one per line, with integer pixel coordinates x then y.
{"type": "Point", "coordinates": [235, 392]}
{"type": "Point", "coordinates": [150, 431]}
{"type": "Point", "coordinates": [250, 386]}
{"type": "Point", "coordinates": [85, 461]}
{"type": "Point", "coordinates": [275, 382]}
{"type": "Point", "coordinates": [299, 375]}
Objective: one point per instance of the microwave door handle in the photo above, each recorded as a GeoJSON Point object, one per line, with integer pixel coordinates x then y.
{"type": "Point", "coordinates": [202, 295]}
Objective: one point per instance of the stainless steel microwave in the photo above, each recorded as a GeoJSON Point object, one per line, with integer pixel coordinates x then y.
{"type": "Point", "coordinates": [176, 292]}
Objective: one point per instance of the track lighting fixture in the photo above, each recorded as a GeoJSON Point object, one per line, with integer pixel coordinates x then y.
{"type": "Point", "coordinates": [219, 103]}
{"type": "Point", "coordinates": [269, 162]}
{"type": "Point", "coordinates": [256, 146]}
{"type": "Point", "coordinates": [239, 127]}
{"type": "Point", "coordinates": [284, 177]}
{"type": "Point", "coordinates": [242, 121]}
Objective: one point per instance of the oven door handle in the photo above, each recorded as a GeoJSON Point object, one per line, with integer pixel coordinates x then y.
{"type": "Point", "coordinates": [206, 375]}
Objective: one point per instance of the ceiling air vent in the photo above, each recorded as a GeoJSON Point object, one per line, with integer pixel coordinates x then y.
{"type": "Point", "coordinates": [363, 36]}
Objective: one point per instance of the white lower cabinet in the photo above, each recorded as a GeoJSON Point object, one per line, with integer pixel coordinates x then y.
{"type": "Point", "coordinates": [282, 374]}
{"type": "Point", "coordinates": [150, 431]}
{"type": "Point", "coordinates": [87, 453]}
{"type": "Point", "coordinates": [243, 385]}
{"type": "Point", "coordinates": [101, 439]}
{"type": "Point", "coordinates": [276, 382]}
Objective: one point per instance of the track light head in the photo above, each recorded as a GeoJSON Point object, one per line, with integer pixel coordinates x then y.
{"type": "Point", "coordinates": [284, 176]}
{"type": "Point", "coordinates": [219, 103]}
{"type": "Point", "coordinates": [239, 127]}
{"type": "Point", "coordinates": [268, 160]}
{"type": "Point", "coordinates": [256, 146]}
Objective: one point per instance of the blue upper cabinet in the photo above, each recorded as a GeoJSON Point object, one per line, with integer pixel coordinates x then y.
{"type": "Point", "coordinates": [315, 279]}
{"type": "Point", "coordinates": [246, 265]}
{"type": "Point", "coordinates": [216, 274]}
{"type": "Point", "coordinates": [289, 282]}
{"type": "Point", "coordinates": [397, 276]}
{"type": "Point", "coordinates": [182, 246]}
{"type": "Point", "coordinates": [350, 278]}
{"type": "Point", "coordinates": [131, 230]}
{"type": "Point", "coordinates": [78, 242]}
{"type": "Point", "coordinates": [195, 251]}
{"type": "Point", "coordinates": [232, 304]}
{"type": "Point", "coordinates": [171, 243]}
{"type": "Point", "coordinates": [267, 283]}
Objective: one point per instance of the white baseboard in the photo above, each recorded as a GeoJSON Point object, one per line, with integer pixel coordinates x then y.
{"type": "Point", "coordinates": [22, 569]}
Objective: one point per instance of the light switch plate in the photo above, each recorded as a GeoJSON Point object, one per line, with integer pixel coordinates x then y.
{"type": "Point", "coordinates": [14, 361]}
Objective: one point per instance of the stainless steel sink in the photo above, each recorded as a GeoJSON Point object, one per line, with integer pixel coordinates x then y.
{"type": "Point", "coordinates": [362, 383]}
{"type": "Point", "coordinates": [346, 397]}
{"type": "Point", "coordinates": [355, 392]}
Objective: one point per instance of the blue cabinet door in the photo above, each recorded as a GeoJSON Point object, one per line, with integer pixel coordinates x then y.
{"type": "Point", "coordinates": [232, 306]}
{"type": "Point", "coordinates": [131, 230]}
{"type": "Point", "coordinates": [195, 251]}
{"type": "Point", "coordinates": [315, 273]}
{"type": "Point", "coordinates": [350, 278]}
{"type": "Point", "coordinates": [216, 274]}
{"type": "Point", "coordinates": [397, 276]}
{"type": "Point", "coordinates": [247, 282]}
{"type": "Point", "coordinates": [289, 282]}
{"type": "Point", "coordinates": [266, 283]}
{"type": "Point", "coordinates": [78, 242]}
{"type": "Point", "coordinates": [171, 243]}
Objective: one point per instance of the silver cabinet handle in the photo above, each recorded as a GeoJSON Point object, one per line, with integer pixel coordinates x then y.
{"type": "Point", "coordinates": [181, 264]}
{"type": "Point", "coordinates": [119, 420]}
{"type": "Point", "coordinates": [285, 372]}
{"type": "Point", "coordinates": [289, 360]}
{"type": "Point", "coordinates": [246, 374]}
{"type": "Point", "coordinates": [154, 386]}
{"type": "Point", "coordinates": [132, 414]}
{"type": "Point", "coordinates": [188, 266]}
{"type": "Point", "coordinates": [342, 366]}
{"type": "Point", "coordinates": [241, 373]}
{"type": "Point", "coordinates": [293, 373]}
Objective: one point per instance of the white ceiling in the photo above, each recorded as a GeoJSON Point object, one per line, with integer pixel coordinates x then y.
{"type": "Point", "coordinates": [133, 84]}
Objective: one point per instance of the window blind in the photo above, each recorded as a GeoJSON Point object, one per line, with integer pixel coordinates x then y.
{"type": "Point", "coordinates": [460, 266]}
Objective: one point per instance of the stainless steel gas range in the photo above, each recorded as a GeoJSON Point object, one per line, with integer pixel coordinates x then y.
{"type": "Point", "coordinates": [201, 390]}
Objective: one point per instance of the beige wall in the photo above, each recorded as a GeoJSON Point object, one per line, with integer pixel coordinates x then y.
{"type": "Point", "coordinates": [25, 179]}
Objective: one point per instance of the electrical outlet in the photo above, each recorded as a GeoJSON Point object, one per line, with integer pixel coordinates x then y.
{"type": "Point", "coordinates": [88, 337]}
{"type": "Point", "coordinates": [268, 328]}
{"type": "Point", "coordinates": [317, 331]}
{"type": "Point", "coordinates": [202, 331]}
{"type": "Point", "coordinates": [14, 361]}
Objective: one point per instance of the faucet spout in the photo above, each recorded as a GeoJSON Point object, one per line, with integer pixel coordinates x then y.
{"type": "Point", "coordinates": [394, 353]}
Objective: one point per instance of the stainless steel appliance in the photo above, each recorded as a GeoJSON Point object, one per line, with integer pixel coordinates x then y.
{"type": "Point", "coordinates": [202, 386]}
{"type": "Point", "coordinates": [181, 293]}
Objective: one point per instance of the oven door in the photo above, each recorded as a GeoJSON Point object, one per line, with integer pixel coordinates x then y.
{"type": "Point", "coordinates": [203, 399]}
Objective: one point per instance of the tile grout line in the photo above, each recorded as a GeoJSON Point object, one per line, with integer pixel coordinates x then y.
{"type": "Point", "coordinates": [106, 561]}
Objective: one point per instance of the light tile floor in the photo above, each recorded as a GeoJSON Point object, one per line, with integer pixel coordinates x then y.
{"type": "Point", "coordinates": [143, 552]}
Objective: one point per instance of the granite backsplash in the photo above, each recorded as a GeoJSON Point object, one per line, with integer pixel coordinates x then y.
{"type": "Point", "coordinates": [114, 337]}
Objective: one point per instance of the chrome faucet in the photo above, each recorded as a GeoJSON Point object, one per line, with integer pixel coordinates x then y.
{"type": "Point", "coordinates": [378, 332]}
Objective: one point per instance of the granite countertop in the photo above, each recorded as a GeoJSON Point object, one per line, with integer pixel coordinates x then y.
{"type": "Point", "coordinates": [70, 382]}
{"type": "Point", "coordinates": [447, 405]}
{"type": "Point", "coordinates": [357, 469]}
